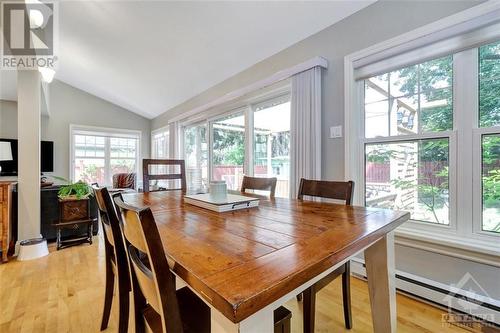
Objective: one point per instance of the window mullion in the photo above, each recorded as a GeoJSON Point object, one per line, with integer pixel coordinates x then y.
{"type": "Point", "coordinates": [465, 95]}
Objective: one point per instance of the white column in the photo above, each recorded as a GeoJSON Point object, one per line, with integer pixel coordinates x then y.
{"type": "Point", "coordinates": [28, 120]}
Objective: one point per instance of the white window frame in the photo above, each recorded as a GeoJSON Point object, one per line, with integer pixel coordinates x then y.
{"type": "Point", "coordinates": [460, 233]}
{"type": "Point", "coordinates": [245, 107]}
{"type": "Point", "coordinates": [182, 131]}
{"type": "Point", "coordinates": [166, 147]}
{"type": "Point", "coordinates": [244, 111]}
{"type": "Point", "coordinates": [102, 131]}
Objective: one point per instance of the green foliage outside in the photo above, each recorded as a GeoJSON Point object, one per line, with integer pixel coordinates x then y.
{"type": "Point", "coordinates": [229, 147]}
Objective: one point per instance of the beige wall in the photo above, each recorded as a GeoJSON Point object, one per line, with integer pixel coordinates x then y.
{"type": "Point", "coordinates": [69, 105]}
{"type": "Point", "coordinates": [376, 23]}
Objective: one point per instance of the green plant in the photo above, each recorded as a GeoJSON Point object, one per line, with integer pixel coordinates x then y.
{"type": "Point", "coordinates": [80, 189]}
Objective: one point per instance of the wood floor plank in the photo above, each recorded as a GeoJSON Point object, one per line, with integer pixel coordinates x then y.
{"type": "Point", "coordinates": [64, 292]}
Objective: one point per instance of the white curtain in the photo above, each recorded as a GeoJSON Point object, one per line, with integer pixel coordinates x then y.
{"type": "Point", "coordinates": [174, 140]}
{"type": "Point", "coordinates": [305, 145]}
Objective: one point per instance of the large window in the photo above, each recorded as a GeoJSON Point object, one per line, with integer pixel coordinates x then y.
{"type": "Point", "coordinates": [422, 143]}
{"type": "Point", "coordinates": [272, 144]}
{"type": "Point", "coordinates": [252, 140]}
{"type": "Point", "coordinates": [411, 174]}
{"type": "Point", "coordinates": [196, 157]}
{"type": "Point", "coordinates": [98, 155]}
{"type": "Point", "coordinates": [228, 151]}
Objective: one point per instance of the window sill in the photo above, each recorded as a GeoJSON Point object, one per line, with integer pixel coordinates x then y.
{"type": "Point", "coordinates": [482, 251]}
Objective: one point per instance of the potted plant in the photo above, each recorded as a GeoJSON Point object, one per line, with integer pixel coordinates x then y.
{"type": "Point", "coordinates": [72, 191]}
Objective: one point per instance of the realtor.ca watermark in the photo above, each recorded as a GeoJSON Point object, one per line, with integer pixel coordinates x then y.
{"type": "Point", "coordinates": [29, 37]}
{"type": "Point", "coordinates": [467, 306]}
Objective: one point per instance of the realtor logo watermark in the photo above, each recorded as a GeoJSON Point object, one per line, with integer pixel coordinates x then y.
{"type": "Point", "coordinates": [468, 297]}
{"type": "Point", "coordinates": [29, 35]}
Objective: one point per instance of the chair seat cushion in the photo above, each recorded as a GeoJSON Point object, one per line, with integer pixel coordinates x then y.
{"type": "Point", "coordinates": [195, 314]}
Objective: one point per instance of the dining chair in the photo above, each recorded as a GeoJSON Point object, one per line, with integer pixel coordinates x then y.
{"type": "Point", "coordinates": [158, 306]}
{"type": "Point", "coordinates": [166, 164]}
{"type": "Point", "coordinates": [338, 191]}
{"type": "Point", "coordinates": [124, 180]}
{"type": "Point", "coordinates": [116, 261]}
{"type": "Point", "coordinates": [262, 184]}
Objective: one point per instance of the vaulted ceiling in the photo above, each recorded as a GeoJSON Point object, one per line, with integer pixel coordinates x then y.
{"type": "Point", "coordinates": [151, 56]}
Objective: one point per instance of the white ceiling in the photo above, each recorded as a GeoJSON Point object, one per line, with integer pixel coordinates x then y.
{"type": "Point", "coordinates": [151, 56]}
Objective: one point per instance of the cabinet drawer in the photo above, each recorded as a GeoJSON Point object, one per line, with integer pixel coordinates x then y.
{"type": "Point", "coordinates": [2, 191]}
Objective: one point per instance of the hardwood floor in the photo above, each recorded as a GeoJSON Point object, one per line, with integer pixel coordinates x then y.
{"type": "Point", "coordinates": [64, 291]}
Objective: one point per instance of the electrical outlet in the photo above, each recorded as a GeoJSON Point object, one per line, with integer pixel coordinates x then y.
{"type": "Point", "coordinates": [335, 132]}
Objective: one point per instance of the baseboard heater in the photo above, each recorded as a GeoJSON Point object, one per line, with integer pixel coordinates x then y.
{"type": "Point", "coordinates": [436, 294]}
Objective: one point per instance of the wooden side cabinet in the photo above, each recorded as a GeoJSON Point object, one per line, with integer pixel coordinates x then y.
{"type": "Point", "coordinates": [74, 214]}
{"type": "Point", "coordinates": [5, 216]}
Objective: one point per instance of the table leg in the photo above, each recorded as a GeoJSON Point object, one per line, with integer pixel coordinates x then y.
{"type": "Point", "coordinates": [380, 271]}
{"type": "Point", "coordinates": [259, 322]}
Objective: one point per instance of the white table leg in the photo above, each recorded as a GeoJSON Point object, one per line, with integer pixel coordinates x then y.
{"type": "Point", "coordinates": [259, 322]}
{"type": "Point", "coordinates": [381, 274]}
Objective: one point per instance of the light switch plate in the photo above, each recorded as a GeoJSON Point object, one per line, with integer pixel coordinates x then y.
{"type": "Point", "coordinates": [335, 132]}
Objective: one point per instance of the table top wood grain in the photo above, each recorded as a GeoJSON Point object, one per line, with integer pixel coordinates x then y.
{"type": "Point", "coordinates": [243, 260]}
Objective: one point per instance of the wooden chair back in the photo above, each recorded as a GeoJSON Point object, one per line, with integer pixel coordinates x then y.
{"type": "Point", "coordinates": [326, 189]}
{"type": "Point", "coordinates": [262, 184]}
{"type": "Point", "coordinates": [113, 238]}
{"type": "Point", "coordinates": [108, 216]}
{"type": "Point", "coordinates": [124, 180]}
{"type": "Point", "coordinates": [149, 265]}
{"type": "Point", "coordinates": [147, 176]}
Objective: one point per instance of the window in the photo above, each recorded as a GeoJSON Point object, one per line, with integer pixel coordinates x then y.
{"type": "Point", "coordinates": [429, 129]}
{"type": "Point", "coordinates": [272, 144]}
{"type": "Point", "coordinates": [490, 174]}
{"type": "Point", "coordinates": [98, 155]}
{"type": "Point", "coordinates": [411, 174]}
{"type": "Point", "coordinates": [253, 140]}
{"type": "Point", "coordinates": [489, 120]}
{"type": "Point", "coordinates": [160, 144]}
{"type": "Point", "coordinates": [489, 85]}
{"type": "Point", "coordinates": [228, 149]}
{"type": "Point", "coordinates": [196, 157]}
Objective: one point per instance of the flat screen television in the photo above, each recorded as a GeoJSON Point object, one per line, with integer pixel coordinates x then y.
{"type": "Point", "coordinates": [9, 168]}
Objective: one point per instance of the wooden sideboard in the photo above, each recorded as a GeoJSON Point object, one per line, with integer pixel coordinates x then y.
{"type": "Point", "coordinates": [5, 215]}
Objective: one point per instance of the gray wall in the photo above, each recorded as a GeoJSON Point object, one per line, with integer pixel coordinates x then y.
{"type": "Point", "coordinates": [69, 105]}
{"type": "Point", "coordinates": [376, 23]}
{"type": "Point", "coordinates": [8, 119]}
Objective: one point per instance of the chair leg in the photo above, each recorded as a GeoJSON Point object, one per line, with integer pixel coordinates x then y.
{"type": "Point", "coordinates": [124, 303]}
{"type": "Point", "coordinates": [309, 308]}
{"type": "Point", "coordinates": [346, 295]}
{"type": "Point", "coordinates": [108, 295]}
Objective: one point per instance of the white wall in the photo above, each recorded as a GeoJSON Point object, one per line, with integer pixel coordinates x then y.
{"type": "Point", "coordinates": [69, 105]}
{"type": "Point", "coordinates": [374, 24]}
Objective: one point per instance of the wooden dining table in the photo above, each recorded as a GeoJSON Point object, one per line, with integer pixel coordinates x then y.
{"type": "Point", "coordinates": [245, 264]}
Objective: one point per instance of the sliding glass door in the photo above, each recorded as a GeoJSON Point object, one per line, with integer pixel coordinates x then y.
{"type": "Point", "coordinates": [272, 144]}
{"type": "Point", "coordinates": [196, 156]}
{"type": "Point", "coordinates": [228, 149]}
